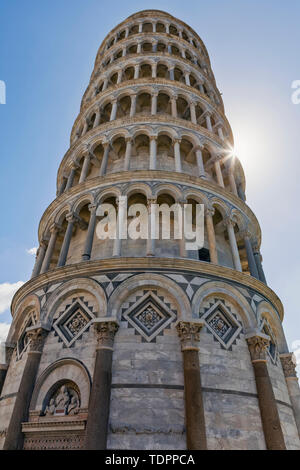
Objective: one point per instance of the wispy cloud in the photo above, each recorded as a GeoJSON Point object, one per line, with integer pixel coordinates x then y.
{"type": "Point", "coordinates": [7, 291]}
{"type": "Point", "coordinates": [32, 251]}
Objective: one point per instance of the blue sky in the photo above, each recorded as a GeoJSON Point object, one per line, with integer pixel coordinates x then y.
{"type": "Point", "coordinates": [47, 51]}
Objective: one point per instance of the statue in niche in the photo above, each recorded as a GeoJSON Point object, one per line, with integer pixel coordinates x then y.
{"type": "Point", "coordinates": [50, 409]}
{"type": "Point", "coordinates": [64, 402]}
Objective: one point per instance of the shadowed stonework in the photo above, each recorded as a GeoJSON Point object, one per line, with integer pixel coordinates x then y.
{"type": "Point", "coordinates": [143, 344]}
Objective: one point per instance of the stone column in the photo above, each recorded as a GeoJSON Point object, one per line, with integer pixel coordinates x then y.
{"type": "Point", "coordinates": [177, 155]}
{"type": "Point", "coordinates": [67, 239]}
{"type": "Point", "coordinates": [151, 225]}
{"type": "Point", "coordinates": [154, 103]}
{"type": "Point", "coordinates": [152, 163]}
{"type": "Point", "coordinates": [182, 240]}
{"type": "Point", "coordinates": [208, 122]}
{"type": "Point", "coordinates": [201, 170]}
{"type": "Point", "coordinates": [171, 71]}
{"type": "Point", "coordinates": [113, 113]}
{"type": "Point", "coordinates": [39, 259]}
{"type": "Point", "coordinates": [258, 259]}
{"type": "Point", "coordinates": [174, 106]}
{"type": "Point", "coordinates": [219, 173]}
{"type": "Point", "coordinates": [220, 132]}
{"type": "Point", "coordinates": [139, 48]}
{"type": "Point", "coordinates": [54, 229]}
{"type": "Point", "coordinates": [187, 78]}
{"type": "Point", "coordinates": [104, 162]}
{"type": "Point", "coordinates": [250, 256]}
{"type": "Point", "coordinates": [154, 68]}
{"type": "Point", "coordinates": [97, 119]}
{"type": "Point", "coordinates": [105, 83]}
{"type": "Point", "coordinates": [14, 437]}
{"type": "Point", "coordinates": [62, 186]}
{"type": "Point", "coordinates": [193, 112]}
{"type": "Point", "coordinates": [257, 344]}
{"type": "Point", "coordinates": [85, 167]}
{"type": "Point", "coordinates": [122, 213]}
{"type": "Point", "coordinates": [230, 171]}
{"type": "Point", "coordinates": [209, 212]}
{"type": "Point", "coordinates": [119, 77]}
{"type": "Point", "coordinates": [128, 141]}
{"type": "Point", "coordinates": [136, 72]}
{"type": "Point", "coordinates": [99, 404]}
{"type": "Point", "coordinates": [71, 177]}
{"type": "Point", "coordinates": [233, 244]}
{"type": "Point", "coordinates": [189, 334]}
{"type": "Point", "coordinates": [288, 362]}
{"type": "Point", "coordinates": [132, 106]}
{"type": "Point", "coordinates": [90, 233]}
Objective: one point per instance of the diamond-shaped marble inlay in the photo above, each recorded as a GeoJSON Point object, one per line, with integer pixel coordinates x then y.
{"type": "Point", "coordinates": [219, 325]}
{"type": "Point", "coordinates": [222, 323]}
{"type": "Point", "coordinates": [149, 315]}
{"type": "Point", "coordinates": [73, 321]}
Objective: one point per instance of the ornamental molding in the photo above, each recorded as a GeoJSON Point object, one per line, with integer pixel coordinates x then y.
{"type": "Point", "coordinates": [92, 268]}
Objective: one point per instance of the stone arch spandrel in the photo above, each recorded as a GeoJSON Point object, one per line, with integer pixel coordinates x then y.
{"type": "Point", "coordinates": [227, 292]}
{"type": "Point", "coordinates": [265, 310]}
{"type": "Point", "coordinates": [148, 281]}
{"type": "Point", "coordinates": [74, 287]}
{"type": "Point", "coordinates": [31, 302]}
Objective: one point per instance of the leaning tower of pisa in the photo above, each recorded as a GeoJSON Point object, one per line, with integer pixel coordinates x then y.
{"type": "Point", "coordinates": [143, 343]}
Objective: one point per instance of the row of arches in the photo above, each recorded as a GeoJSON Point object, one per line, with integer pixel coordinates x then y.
{"type": "Point", "coordinates": [153, 70]}
{"type": "Point", "coordinates": [151, 46]}
{"type": "Point", "coordinates": [151, 101]}
{"type": "Point", "coordinates": [165, 150]}
{"type": "Point", "coordinates": [73, 235]}
{"type": "Point", "coordinates": [160, 26]}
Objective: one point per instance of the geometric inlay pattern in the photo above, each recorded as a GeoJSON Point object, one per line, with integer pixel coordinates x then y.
{"type": "Point", "coordinates": [149, 315]}
{"type": "Point", "coordinates": [73, 321]}
{"type": "Point", "coordinates": [221, 322]}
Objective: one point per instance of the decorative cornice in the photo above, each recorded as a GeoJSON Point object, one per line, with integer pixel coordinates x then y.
{"type": "Point", "coordinates": [89, 268]}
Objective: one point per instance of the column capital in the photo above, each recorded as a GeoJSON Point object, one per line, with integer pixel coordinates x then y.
{"type": "Point", "coordinates": [258, 344]}
{"type": "Point", "coordinates": [189, 334]}
{"type": "Point", "coordinates": [71, 217]}
{"type": "Point", "coordinates": [245, 233]}
{"type": "Point", "coordinates": [289, 363]}
{"type": "Point", "coordinates": [129, 139]}
{"type": "Point", "coordinates": [92, 207]}
{"type": "Point", "coordinates": [55, 228]}
{"type": "Point", "coordinates": [74, 166]}
{"type": "Point", "coordinates": [176, 140]}
{"type": "Point", "coordinates": [105, 328]}
{"type": "Point", "coordinates": [209, 211]}
{"type": "Point", "coordinates": [150, 201]}
{"type": "Point", "coordinates": [37, 335]}
{"type": "Point", "coordinates": [153, 137]}
{"type": "Point", "coordinates": [199, 147]}
{"type": "Point", "coordinates": [229, 221]}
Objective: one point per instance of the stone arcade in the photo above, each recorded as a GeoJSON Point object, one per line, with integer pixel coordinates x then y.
{"type": "Point", "coordinates": [142, 344]}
